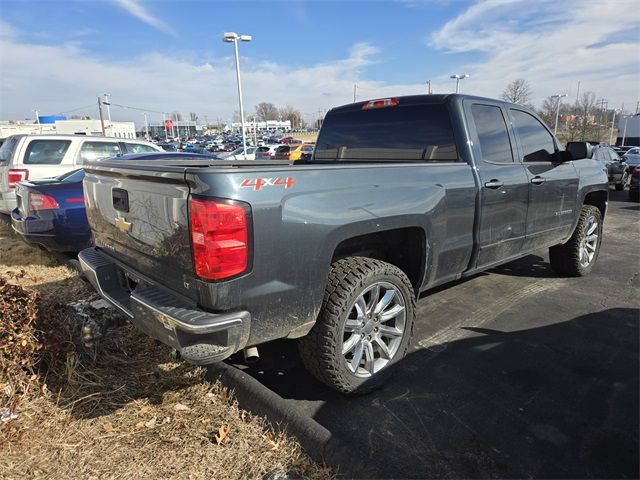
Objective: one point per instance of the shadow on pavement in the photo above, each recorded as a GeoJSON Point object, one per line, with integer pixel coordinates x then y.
{"type": "Point", "coordinates": [556, 401]}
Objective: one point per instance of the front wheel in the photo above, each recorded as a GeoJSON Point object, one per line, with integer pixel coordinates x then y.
{"type": "Point", "coordinates": [364, 327]}
{"type": "Point", "coordinates": [577, 257]}
{"type": "Point", "coordinates": [619, 186]}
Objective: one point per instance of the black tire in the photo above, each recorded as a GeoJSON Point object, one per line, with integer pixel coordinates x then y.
{"type": "Point", "coordinates": [619, 187]}
{"type": "Point", "coordinates": [566, 259]}
{"type": "Point", "coordinates": [321, 349]}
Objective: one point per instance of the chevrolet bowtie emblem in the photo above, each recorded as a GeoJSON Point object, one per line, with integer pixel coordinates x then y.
{"type": "Point", "coordinates": [123, 225]}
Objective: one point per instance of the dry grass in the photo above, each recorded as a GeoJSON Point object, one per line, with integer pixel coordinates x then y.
{"type": "Point", "coordinates": [122, 408]}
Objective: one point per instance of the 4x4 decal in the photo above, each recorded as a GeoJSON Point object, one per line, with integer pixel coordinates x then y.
{"type": "Point", "coordinates": [258, 183]}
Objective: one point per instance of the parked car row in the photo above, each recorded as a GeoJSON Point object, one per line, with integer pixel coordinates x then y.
{"type": "Point", "coordinates": [620, 169]}
{"type": "Point", "coordinates": [27, 157]}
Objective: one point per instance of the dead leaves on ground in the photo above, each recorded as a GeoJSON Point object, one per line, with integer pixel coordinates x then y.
{"type": "Point", "coordinates": [223, 431]}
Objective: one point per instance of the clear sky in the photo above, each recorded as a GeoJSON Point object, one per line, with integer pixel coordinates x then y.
{"type": "Point", "coordinates": [165, 56]}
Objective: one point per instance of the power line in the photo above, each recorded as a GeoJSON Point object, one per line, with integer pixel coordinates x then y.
{"type": "Point", "coordinates": [76, 109]}
{"type": "Point", "coordinates": [136, 108]}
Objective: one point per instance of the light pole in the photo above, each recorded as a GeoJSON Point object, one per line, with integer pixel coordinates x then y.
{"type": "Point", "coordinates": [459, 77]}
{"type": "Point", "coordinates": [232, 37]}
{"type": "Point", "coordinates": [624, 132]}
{"type": "Point", "coordinates": [558, 96]}
{"type": "Point", "coordinates": [612, 122]}
{"type": "Point", "coordinates": [146, 127]}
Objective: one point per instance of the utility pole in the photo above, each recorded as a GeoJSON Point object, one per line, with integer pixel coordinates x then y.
{"type": "Point", "coordinates": [355, 89]}
{"type": "Point", "coordinates": [578, 93]}
{"type": "Point", "coordinates": [429, 87]}
{"type": "Point", "coordinates": [101, 115]}
{"type": "Point", "coordinates": [108, 104]}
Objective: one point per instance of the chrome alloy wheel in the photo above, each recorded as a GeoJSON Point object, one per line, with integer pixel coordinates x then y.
{"type": "Point", "coordinates": [373, 329]}
{"type": "Point", "coordinates": [589, 244]}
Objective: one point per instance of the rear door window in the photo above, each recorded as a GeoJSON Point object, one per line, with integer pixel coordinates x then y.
{"type": "Point", "coordinates": [139, 148]}
{"type": "Point", "coordinates": [95, 150]}
{"type": "Point", "coordinates": [411, 133]}
{"type": "Point", "coordinates": [536, 142]}
{"type": "Point", "coordinates": [46, 152]}
{"type": "Point", "coordinates": [492, 133]}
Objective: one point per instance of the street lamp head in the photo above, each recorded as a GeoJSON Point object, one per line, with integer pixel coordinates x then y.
{"type": "Point", "coordinates": [245, 38]}
{"type": "Point", "coordinates": [230, 37]}
{"type": "Point", "coordinates": [459, 76]}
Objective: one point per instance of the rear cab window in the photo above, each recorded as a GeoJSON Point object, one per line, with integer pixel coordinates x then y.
{"type": "Point", "coordinates": [95, 150]}
{"type": "Point", "coordinates": [7, 149]}
{"type": "Point", "coordinates": [45, 152]}
{"type": "Point", "coordinates": [397, 133]}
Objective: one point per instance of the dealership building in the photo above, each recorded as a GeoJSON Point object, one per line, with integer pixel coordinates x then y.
{"type": "Point", "coordinates": [61, 125]}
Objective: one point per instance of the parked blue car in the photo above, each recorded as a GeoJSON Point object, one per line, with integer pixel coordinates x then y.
{"type": "Point", "coordinates": [51, 213]}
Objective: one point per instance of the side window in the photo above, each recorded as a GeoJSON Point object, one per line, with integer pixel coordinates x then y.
{"type": "Point", "coordinates": [94, 150]}
{"type": "Point", "coordinates": [139, 148]}
{"type": "Point", "coordinates": [536, 142]}
{"type": "Point", "coordinates": [492, 133]}
{"type": "Point", "coordinates": [613, 155]}
{"type": "Point", "coordinates": [46, 152]}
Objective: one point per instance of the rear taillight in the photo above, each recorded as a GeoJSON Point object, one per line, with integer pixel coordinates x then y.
{"type": "Point", "coordinates": [39, 201]}
{"type": "Point", "coordinates": [75, 200]}
{"type": "Point", "coordinates": [220, 238]}
{"type": "Point", "coordinates": [16, 175]}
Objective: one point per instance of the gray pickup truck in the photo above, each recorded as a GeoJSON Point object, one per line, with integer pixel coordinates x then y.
{"type": "Point", "coordinates": [401, 195]}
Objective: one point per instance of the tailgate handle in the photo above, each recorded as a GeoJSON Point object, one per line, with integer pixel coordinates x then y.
{"type": "Point", "coordinates": [120, 199]}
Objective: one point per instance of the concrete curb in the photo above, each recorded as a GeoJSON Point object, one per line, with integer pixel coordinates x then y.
{"type": "Point", "coordinates": [318, 442]}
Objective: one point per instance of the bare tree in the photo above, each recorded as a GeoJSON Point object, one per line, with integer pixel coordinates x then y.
{"type": "Point", "coordinates": [548, 110]}
{"type": "Point", "coordinates": [518, 91]}
{"type": "Point", "coordinates": [266, 111]}
{"type": "Point", "coordinates": [193, 116]}
{"type": "Point", "coordinates": [586, 106]}
{"type": "Point", "coordinates": [292, 114]}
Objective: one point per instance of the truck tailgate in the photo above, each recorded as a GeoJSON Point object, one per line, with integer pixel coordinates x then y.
{"type": "Point", "coordinates": [140, 218]}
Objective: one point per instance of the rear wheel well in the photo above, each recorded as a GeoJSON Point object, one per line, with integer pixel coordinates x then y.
{"type": "Point", "coordinates": [402, 247]}
{"type": "Point", "coordinates": [597, 199]}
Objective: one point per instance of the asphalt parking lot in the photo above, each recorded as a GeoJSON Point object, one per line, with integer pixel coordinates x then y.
{"type": "Point", "coordinates": [514, 373]}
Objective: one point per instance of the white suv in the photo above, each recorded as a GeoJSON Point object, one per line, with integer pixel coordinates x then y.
{"type": "Point", "coordinates": [24, 157]}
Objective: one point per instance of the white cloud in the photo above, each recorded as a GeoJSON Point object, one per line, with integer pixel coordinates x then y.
{"type": "Point", "coordinates": [57, 78]}
{"type": "Point", "coordinates": [551, 44]}
{"type": "Point", "coordinates": [134, 8]}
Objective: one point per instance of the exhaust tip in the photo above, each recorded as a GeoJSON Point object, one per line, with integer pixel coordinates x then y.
{"type": "Point", "coordinates": [251, 354]}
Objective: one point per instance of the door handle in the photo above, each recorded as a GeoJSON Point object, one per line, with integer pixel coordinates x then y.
{"type": "Point", "coordinates": [537, 180]}
{"type": "Point", "coordinates": [493, 184]}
